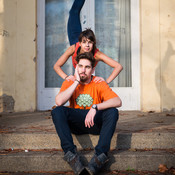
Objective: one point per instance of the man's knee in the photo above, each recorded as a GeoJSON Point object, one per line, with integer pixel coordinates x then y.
{"type": "Point", "coordinates": [113, 114]}
{"type": "Point", "coordinates": [57, 112]}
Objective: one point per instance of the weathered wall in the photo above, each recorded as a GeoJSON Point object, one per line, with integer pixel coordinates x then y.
{"type": "Point", "coordinates": [167, 53]}
{"type": "Point", "coordinates": [17, 55]}
{"type": "Point", "coordinates": [157, 55]}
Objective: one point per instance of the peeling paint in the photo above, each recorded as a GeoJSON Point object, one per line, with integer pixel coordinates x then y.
{"type": "Point", "coordinates": [7, 103]}
{"type": "Point", "coordinates": [34, 59]}
{"type": "Point", "coordinates": [4, 33]}
{"type": "Point", "coordinates": [168, 110]}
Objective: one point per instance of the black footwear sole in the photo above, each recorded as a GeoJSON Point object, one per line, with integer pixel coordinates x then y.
{"type": "Point", "coordinates": [88, 171]}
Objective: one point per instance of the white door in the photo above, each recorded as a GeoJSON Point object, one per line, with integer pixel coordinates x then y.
{"type": "Point", "coordinates": [116, 26]}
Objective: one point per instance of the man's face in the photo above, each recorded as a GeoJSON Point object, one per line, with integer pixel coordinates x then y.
{"type": "Point", "coordinates": [86, 45]}
{"type": "Point", "coordinates": [85, 70]}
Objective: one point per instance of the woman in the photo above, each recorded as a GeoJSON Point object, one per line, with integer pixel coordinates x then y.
{"type": "Point", "coordinates": [81, 42]}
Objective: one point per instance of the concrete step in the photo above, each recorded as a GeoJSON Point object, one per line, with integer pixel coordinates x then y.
{"type": "Point", "coordinates": [153, 140]}
{"type": "Point", "coordinates": [53, 160]}
{"type": "Point", "coordinates": [135, 129]}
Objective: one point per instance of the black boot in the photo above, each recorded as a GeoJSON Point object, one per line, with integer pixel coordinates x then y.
{"type": "Point", "coordinates": [96, 163]}
{"type": "Point", "coordinates": [74, 162]}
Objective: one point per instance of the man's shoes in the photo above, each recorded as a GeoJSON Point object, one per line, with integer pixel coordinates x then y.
{"type": "Point", "coordinates": [74, 162]}
{"type": "Point", "coordinates": [96, 163]}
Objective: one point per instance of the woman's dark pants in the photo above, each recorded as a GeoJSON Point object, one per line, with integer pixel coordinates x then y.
{"type": "Point", "coordinates": [74, 25]}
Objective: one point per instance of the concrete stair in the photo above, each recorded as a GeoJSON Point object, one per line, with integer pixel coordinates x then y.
{"type": "Point", "coordinates": [119, 141]}
{"type": "Point", "coordinates": [142, 141]}
{"type": "Point", "coordinates": [52, 160]}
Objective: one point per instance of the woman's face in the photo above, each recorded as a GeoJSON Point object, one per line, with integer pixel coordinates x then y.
{"type": "Point", "coordinates": [86, 45]}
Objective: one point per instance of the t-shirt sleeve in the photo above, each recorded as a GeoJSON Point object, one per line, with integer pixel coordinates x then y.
{"type": "Point", "coordinates": [65, 85]}
{"type": "Point", "coordinates": [106, 92]}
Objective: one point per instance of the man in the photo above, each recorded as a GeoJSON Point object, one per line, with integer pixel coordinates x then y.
{"type": "Point", "coordinates": [92, 110]}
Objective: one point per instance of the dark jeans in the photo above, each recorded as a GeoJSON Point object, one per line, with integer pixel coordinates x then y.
{"type": "Point", "coordinates": [74, 25]}
{"type": "Point", "coordinates": [69, 120]}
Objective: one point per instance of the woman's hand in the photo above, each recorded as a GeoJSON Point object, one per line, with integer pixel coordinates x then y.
{"type": "Point", "coordinates": [70, 77]}
{"type": "Point", "coordinates": [98, 79]}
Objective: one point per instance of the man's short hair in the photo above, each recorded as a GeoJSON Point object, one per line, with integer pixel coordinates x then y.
{"type": "Point", "coordinates": [86, 55]}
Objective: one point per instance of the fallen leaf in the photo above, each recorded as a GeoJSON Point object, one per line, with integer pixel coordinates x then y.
{"type": "Point", "coordinates": [48, 117]}
{"type": "Point", "coordinates": [140, 115]}
{"type": "Point", "coordinates": [148, 149]}
{"type": "Point", "coordinates": [158, 121]}
{"type": "Point", "coordinates": [162, 168]}
{"type": "Point", "coordinates": [114, 172]}
{"type": "Point", "coordinates": [172, 170]}
{"type": "Point", "coordinates": [170, 114]}
{"type": "Point", "coordinates": [151, 112]}
{"type": "Point", "coordinates": [53, 107]}
{"type": "Point", "coordinates": [132, 149]}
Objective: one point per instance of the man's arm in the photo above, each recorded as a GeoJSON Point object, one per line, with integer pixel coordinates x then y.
{"type": "Point", "coordinates": [113, 102]}
{"type": "Point", "coordinates": [64, 96]}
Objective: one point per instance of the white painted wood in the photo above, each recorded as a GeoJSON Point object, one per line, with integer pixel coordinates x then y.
{"type": "Point", "coordinates": [88, 15]}
{"type": "Point", "coordinates": [41, 91]}
{"type": "Point", "coordinates": [131, 95]}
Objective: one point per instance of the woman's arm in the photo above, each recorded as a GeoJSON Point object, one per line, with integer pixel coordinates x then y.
{"type": "Point", "coordinates": [109, 61]}
{"type": "Point", "coordinates": [62, 60]}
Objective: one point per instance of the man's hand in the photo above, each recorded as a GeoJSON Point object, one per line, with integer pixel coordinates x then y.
{"type": "Point", "coordinates": [77, 76]}
{"type": "Point", "coordinates": [70, 77]}
{"type": "Point", "coordinates": [89, 120]}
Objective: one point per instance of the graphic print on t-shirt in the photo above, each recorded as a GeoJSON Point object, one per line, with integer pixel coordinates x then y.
{"type": "Point", "coordinates": [84, 100]}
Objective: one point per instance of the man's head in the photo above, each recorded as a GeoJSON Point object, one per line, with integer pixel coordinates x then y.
{"type": "Point", "coordinates": [85, 66]}
{"type": "Point", "coordinates": [87, 41]}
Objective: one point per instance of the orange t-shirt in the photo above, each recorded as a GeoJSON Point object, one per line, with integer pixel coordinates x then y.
{"type": "Point", "coordinates": [74, 62]}
{"type": "Point", "coordinates": [85, 96]}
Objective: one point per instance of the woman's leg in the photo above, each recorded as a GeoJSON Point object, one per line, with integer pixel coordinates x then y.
{"type": "Point", "coordinates": [74, 25]}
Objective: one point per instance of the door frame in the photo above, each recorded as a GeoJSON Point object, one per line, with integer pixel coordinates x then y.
{"type": "Point", "coordinates": [130, 95]}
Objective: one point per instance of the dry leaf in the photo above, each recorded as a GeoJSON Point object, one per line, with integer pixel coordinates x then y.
{"type": "Point", "coordinates": [158, 121]}
{"type": "Point", "coordinates": [114, 172]}
{"type": "Point", "coordinates": [172, 170]}
{"type": "Point", "coordinates": [49, 117]}
{"type": "Point", "coordinates": [53, 107]}
{"type": "Point", "coordinates": [132, 149]}
{"type": "Point", "coordinates": [148, 149]}
{"type": "Point", "coordinates": [151, 112]}
{"type": "Point", "coordinates": [140, 115]}
{"type": "Point", "coordinates": [170, 114]}
{"type": "Point", "coordinates": [162, 168]}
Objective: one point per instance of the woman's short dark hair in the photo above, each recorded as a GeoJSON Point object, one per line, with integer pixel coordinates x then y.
{"type": "Point", "coordinates": [89, 34]}
{"type": "Point", "coordinates": [86, 55]}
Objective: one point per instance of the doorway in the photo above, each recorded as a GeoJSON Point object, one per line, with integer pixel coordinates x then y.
{"type": "Point", "coordinates": [116, 26]}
